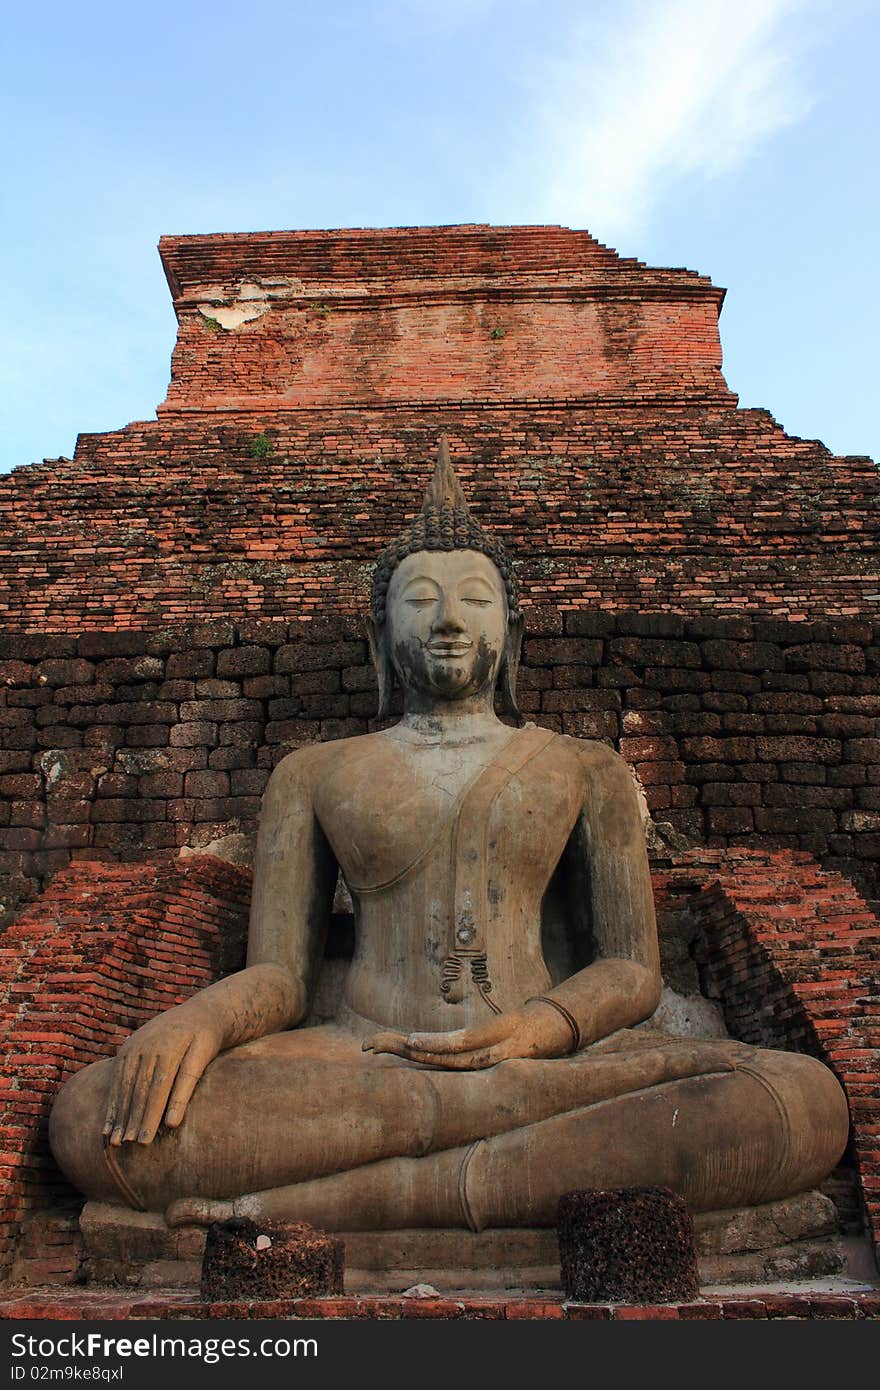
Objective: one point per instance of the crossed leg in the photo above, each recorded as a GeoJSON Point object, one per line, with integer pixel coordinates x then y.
{"type": "Point", "coordinates": [308, 1128]}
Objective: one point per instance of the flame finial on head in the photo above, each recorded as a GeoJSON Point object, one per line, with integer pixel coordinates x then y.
{"type": "Point", "coordinates": [444, 489]}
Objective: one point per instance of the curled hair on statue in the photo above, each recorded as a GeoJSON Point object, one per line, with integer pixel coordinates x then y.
{"type": "Point", "coordinates": [445, 523]}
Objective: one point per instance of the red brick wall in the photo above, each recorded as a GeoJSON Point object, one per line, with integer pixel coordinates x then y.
{"type": "Point", "coordinates": [101, 952]}
{"type": "Point", "coordinates": [480, 347]}
{"type": "Point", "coordinates": [684, 508]}
{"type": "Point", "coordinates": [432, 314]}
{"type": "Point", "coordinates": [793, 954]}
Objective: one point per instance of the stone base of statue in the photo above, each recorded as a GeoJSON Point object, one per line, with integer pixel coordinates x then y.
{"type": "Point", "coordinates": [797, 1238]}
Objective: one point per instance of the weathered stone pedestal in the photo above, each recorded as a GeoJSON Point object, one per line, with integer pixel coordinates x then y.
{"type": "Point", "coordinates": [787, 1240]}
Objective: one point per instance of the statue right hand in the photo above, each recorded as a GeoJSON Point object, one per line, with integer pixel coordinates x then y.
{"type": "Point", "coordinates": [156, 1072]}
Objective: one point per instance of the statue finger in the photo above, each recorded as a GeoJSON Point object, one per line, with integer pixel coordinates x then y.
{"type": "Point", "coordinates": [131, 1063]}
{"type": "Point", "coordinates": [190, 1071]}
{"type": "Point", "coordinates": [458, 1061]}
{"type": "Point", "coordinates": [156, 1101]}
{"type": "Point", "coordinates": [115, 1096]}
{"type": "Point", "coordinates": [112, 1105]}
{"type": "Point", "coordinates": [461, 1040]}
{"type": "Point", "coordinates": [139, 1096]}
{"type": "Point", "coordinates": [388, 1042]}
{"type": "Point", "coordinates": [384, 1042]}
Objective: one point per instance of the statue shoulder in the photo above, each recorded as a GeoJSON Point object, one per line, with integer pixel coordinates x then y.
{"type": "Point", "coordinates": [598, 762]}
{"type": "Point", "coordinates": [306, 768]}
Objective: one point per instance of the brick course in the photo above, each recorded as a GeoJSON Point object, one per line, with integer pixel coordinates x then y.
{"type": "Point", "coordinates": [174, 1304]}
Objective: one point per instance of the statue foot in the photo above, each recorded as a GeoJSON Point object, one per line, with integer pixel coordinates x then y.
{"type": "Point", "coordinates": [198, 1211]}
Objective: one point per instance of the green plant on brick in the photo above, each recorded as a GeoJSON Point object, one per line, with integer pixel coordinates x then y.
{"type": "Point", "coordinates": [261, 446]}
{"type": "Point", "coordinates": [497, 333]}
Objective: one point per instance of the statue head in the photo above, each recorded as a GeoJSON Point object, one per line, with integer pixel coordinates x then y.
{"type": "Point", "coordinates": [445, 618]}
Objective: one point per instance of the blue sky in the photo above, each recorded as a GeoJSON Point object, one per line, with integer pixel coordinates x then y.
{"type": "Point", "coordinates": [736, 137]}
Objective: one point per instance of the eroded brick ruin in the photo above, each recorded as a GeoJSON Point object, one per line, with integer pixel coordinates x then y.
{"type": "Point", "coordinates": [182, 605]}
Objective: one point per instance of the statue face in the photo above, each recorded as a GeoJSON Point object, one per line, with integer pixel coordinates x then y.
{"type": "Point", "coordinates": [446, 622]}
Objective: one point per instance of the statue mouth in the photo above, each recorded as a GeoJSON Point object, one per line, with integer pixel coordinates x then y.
{"type": "Point", "coordinates": [449, 648]}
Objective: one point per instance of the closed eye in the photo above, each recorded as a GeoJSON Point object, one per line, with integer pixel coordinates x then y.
{"type": "Point", "coordinates": [478, 602]}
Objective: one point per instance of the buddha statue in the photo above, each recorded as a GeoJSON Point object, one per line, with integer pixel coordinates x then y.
{"type": "Point", "coordinates": [485, 1056]}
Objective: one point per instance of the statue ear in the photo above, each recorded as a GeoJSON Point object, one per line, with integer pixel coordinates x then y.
{"type": "Point", "coordinates": [382, 663]}
{"type": "Point", "coordinates": [510, 667]}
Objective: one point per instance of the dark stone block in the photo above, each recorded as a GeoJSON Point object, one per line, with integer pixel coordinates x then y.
{"type": "Point", "coordinates": [779, 630]}
{"type": "Point", "coordinates": [543, 620]}
{"type": "Point", "coordinates": [596, 623]}
{"type": "Point", "coordinates": [35, 646]}
{"type": "Point", "coordinates": [274, 1260]}
{"type": "Point", "coordinates": [724, 629]}
{"type": "Point", "coordinates": [740, 682]}
{"type": "Point", "coordinates": [185, 636]}
{"type": "Point", "coordinates": [318, 656]}
{"type": "Point", "coordinates": [243, 661]}
{"type": "Point", "coordinates": [825, 656]}
{"type": "Point", "coordinates": [190, 665]}
{"type": "Point", "coordinates": [670, 679]}
{"type": "Point", "coordinates": [742, 656]}
{"type": "Point", "coordinates": [122, 643]}
{"type": "Point", "coordinates": [215, 689]}
{"type": "Point", "coordinates": [631, 624]}
{"type": "Point", "coordinates": [648, 651]}
{"type": "Point", "coordinates": [233, 756]}
{"type": "Point", "coordinates": [626, 1245]}
{"type": "Point", "coordinates": [562, 651]}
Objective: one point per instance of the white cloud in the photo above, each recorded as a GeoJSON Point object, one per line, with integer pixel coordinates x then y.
{"type": "Point", "coordinates": [657, 90]}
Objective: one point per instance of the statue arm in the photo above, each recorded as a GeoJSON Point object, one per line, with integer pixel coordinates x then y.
{"type": "Point", "coordinates": [613, 904]}
{"type": "Point", "coordinates": [295, 875]}
{"type": "Point", "coordinates": [158, 1067]}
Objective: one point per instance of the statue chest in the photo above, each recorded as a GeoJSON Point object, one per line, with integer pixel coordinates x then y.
{"type": "Point", "coordinates": [483, 830]}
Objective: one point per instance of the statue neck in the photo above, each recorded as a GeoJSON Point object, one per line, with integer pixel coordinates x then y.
{"type": "Point", "coordinates": [455, 721]}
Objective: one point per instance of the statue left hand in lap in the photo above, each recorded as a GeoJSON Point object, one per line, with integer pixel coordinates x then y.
{"type": "Point", "coordinates": [482, 1059]}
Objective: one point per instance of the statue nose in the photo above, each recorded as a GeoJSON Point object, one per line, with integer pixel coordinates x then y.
{"type": "Point", "coordinates": [449, 618]}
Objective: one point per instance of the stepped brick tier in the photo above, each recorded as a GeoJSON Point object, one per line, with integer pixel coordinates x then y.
{"type": "Point", "coordinates": [586, 410]}
{"type": "Point", "coordinates": [109, 945]}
